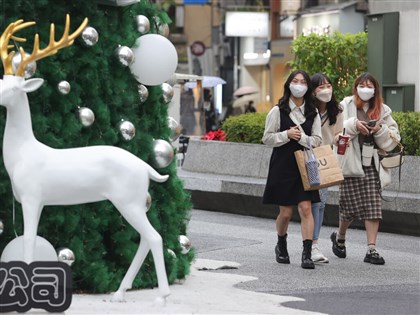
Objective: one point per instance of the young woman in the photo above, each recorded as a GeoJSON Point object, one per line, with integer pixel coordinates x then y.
{"type": "Point", "coordinates": [284, 185]}
{"type": "Point", "coordinates": [331, 126]}
{"type": "Point", "coordinates": [366, 120]}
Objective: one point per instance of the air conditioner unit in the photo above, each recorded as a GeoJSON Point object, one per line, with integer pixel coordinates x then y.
{"type": "Point", "coordinates": [117, 3]}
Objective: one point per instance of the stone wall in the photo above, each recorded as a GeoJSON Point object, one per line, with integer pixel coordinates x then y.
{"type": "Point", "coordinates": [230, 177]}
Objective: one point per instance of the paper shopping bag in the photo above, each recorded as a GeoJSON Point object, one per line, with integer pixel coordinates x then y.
{"type": "Point", "coordinates": [330, 173]}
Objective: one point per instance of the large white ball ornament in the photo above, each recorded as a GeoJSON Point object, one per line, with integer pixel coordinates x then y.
{"type": "Point", "coordinates": [163, 153]}
{"type": "Point", "coordinates": [155, 61]}
{"type": "Point", "coordinates": [175, 129]}
{"type": "Point", "coordinates": [185, 244]}
{"type": "Point", "coordinates": [90, 36]}
{"type": "Point", "coordinates": [44, 251]}
{"type": "Point", "coordinates": [64, 87]}
{"type": "Point", "coordinates": [143, 24]}
{"type": "Point", "coordinates": [127, 129]}
{"type": "Point", "coordinates": [86, 116]}
{"type": "Point", "coordinates": [167, 92]}
{"type": "Point", "coordinates": [66, 255]}
{"type": "Point", "coordinates": [143, 93]}
{"type": "Point", "coordinates": [125, 55]}
{"type": "Point", "coordinates": [29, 69]}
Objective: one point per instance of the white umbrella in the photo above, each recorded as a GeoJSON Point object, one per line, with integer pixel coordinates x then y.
{"type": "Point", "coordinates": [207, 82]}
{"type": "Point", "coordinates": [244, 100]}
{"type": "Point", "coordinates": [244, 90]}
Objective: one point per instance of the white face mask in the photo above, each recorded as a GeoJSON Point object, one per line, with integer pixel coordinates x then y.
{"type": "Point", "coordinates": [298, 90]}
{"type": "Point", "coordinates": [324, 95]}
{"type": "Point", "coordinates": [365, 93]}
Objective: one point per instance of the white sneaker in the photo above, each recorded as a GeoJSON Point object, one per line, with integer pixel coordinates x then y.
{"type": "Point", "coordinates": [317, 256]}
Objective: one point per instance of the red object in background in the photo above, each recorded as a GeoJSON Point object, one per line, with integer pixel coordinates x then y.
{"type": "Point", "coordinates": [218, 135]}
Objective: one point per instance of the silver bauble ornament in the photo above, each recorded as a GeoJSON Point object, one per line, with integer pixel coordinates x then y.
{"type": "Point", "coordinates": [90, 36]}
{"type": "Point", "coordinates": [64, 87]}
{"type": "Point", "coordinates": [143, 24]}
{"type": "Point", "coordinates": [175, 129]}
{"type": "Point", "coordinates": [127, 130]}
{"type": "Point", "coordinates": [29, 69]}
{"type": "Point", "coordinates": [171, 252]}
{"type": "Point", "coordinates": [167, 92]}
{"type": "Point", "coordinates": [86, 116]}
{"type": "Point", "coordinates": [143, 93]}
{"type": "Point", "coordinates": [185, 244]}
{"type": "Point", "coordinates": [1, 227]}
{"type": "Point", "coordinates": [164, 30]}
{"type": "Point", "coordinates": [148, 202]}
{"type": "Point", "coordinates": [163, 153]}
{"type": "Point", "coordinates": [125, 55]}
{"type": "Point", "coordinates": [66, 255]}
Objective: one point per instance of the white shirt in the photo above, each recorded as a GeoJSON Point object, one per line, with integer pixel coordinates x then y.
{"type": "Point", "coordinates": [275, 138]}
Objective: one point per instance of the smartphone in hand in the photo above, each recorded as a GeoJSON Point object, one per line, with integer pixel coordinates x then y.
{"type": "Point", "coordinates": [372, 123]}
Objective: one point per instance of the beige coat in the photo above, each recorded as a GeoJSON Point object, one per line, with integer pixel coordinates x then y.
{"type": "Point", "coordinates": [351, 162]}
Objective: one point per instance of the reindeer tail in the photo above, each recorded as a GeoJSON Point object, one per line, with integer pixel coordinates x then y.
{"type": "Point", "coordinates": [155, 176]}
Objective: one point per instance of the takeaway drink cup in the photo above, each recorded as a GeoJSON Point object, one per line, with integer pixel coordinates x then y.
{"type": "Point", "coordinates": [342, 144]}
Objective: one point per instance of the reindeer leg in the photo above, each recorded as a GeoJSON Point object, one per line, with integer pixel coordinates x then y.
{"type": "Point", "coordinates": [132, 271]}
{"type": "Point", "coordinates": [31, 214]}
{"type": "Point", "coordinates": [156, 247]}
{"type": "Point", "coordinates": [141, 224]}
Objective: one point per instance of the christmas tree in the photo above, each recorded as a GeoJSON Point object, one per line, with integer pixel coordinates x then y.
{"type": "Point", "coordinates": [99, 83]}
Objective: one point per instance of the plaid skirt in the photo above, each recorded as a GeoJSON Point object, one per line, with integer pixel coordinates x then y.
{"type": "Point", "coordinates": [359, 197]}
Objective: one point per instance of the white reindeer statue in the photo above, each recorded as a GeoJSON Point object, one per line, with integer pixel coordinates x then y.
{"type": "Point", "coordinates": [42, 176]}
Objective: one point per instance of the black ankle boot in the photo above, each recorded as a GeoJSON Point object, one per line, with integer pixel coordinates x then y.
{"type": "Point", "coordinates": [307, 262]}
{"type": "Point", "coordinates": [282, 256]}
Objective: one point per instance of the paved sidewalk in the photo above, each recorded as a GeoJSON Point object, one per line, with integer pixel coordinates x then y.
{"type": "Point", "coordinates": [235, 273]}
{"type": "Point", "coordinates": [343, 286]}
{"type": "Point", "coordinates": [202, 292]}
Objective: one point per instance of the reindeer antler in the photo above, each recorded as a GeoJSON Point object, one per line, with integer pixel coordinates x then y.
{"type": "Point", "coordinates": [53, 46]}
{"type": "Point", "coordinates": [51, 49]}
{"type": "Point", "coordinates": [6, 57]}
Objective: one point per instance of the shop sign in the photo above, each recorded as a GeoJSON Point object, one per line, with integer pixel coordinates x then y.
{"type": "Point", "coordinates": [247, 24]}
{"type": "Point", "coordinates": [317, 29]}
{"type": "Point", "coordinates": [195, 2]}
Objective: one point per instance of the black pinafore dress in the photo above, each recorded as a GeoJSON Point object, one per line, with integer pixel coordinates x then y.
{"type": "Point", "coordinates": [284, 186]}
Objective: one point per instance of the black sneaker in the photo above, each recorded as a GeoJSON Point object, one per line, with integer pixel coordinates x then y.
{"type": "Point", "coordinates": [281, 258]}
{"type": "Point", "coordinates": [373, 257]}
{"type": "Point", "coordinates": [338, 246]}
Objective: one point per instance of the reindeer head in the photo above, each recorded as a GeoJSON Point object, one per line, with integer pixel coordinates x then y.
{"type": "Point", "coordinates": [14, 83]}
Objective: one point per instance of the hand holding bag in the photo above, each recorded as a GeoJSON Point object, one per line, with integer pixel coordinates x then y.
{"type": "Point", "coordinates": [328, 170]}
{"type": "Point", "coordinates": [330, 173]}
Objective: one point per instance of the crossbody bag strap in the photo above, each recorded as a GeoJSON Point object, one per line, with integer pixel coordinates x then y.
{"type": "Point", "coordinates": [399, 184]}
{"type": "Point", "coordinates": [293, 118]}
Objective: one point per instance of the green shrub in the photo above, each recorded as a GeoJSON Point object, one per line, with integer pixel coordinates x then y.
{"type": "Point", "coordinates": [246, 128]}
{"type": "Point", "coordinates": [249, 128]}
{"type": "Point", "coordinates": [342, 57]}
{"type": "Point", "coordinates": [409, 124]}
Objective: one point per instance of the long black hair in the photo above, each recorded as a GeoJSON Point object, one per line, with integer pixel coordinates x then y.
{"type": "Point", "coordinates": [333, 108]}
{"type": "Point", "coordinates": [310, 109]}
